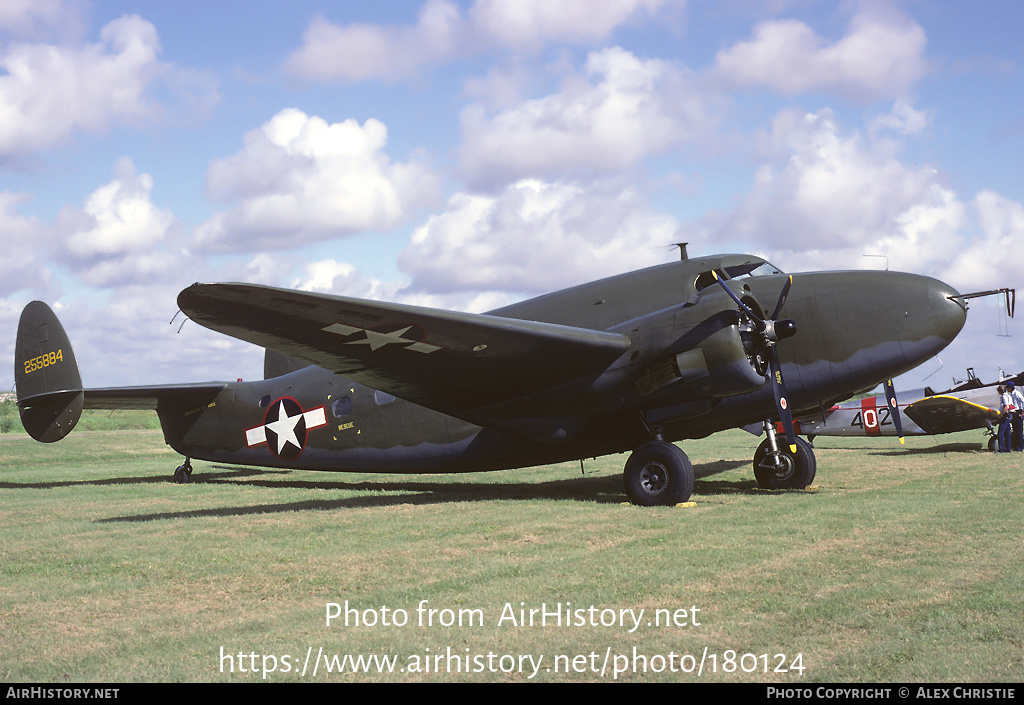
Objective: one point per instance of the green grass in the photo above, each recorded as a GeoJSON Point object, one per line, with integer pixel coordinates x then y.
{"type": "Point", "coordinates": [902, 565]}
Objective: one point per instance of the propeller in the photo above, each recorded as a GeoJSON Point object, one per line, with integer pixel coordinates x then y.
{"type": "Point", "coordinates": [772, 331]}
{"type": "Point", "coordinates": [894, 409]}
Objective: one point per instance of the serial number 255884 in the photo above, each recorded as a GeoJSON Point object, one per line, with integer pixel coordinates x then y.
{"type": "Point", "coordinates": [45, 360]}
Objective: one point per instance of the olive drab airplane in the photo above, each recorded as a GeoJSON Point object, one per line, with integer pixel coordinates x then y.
{"type": "Point", "coordinates": [965, 406]}
{"type": "Point", "coordinates": [629, 363]}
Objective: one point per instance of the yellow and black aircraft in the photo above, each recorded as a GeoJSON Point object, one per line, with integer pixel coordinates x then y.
{"type": "Point", "coordinates": [629, 363]}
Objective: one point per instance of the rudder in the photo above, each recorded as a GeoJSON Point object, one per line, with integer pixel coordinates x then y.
{"type": "Point", "coordinates": [50, 395]}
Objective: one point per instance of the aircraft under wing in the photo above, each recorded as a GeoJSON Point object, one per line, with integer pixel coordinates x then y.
{"type": "Point", "coordinates": [448, 361]}
{"type": "Point", "coordinates": [947, 414]}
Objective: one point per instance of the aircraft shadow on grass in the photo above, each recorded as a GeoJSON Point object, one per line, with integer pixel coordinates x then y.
{"type": "Point", "coordinates": [605, 489]}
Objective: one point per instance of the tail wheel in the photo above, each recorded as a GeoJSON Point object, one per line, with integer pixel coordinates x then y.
{"type": "Point", "coordinates": [794, 472]}
{"type": "Point", "coordinates": [183, 473]}
{"type": "Point", "coordinates": [658, 474]}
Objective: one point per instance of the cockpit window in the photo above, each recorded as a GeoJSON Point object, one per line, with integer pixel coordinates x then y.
{"type": "Point", "coordinates": [752, 269]}
{"type": "Point", "coordinates": [759, 268]}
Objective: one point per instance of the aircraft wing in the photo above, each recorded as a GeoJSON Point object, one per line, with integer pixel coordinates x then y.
{"type": "Point", "coordinates": [448, 361]}
{"type": "Point", "coordinates": [947, 414]}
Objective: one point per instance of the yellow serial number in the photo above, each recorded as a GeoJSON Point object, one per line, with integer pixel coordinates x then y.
{"type": "Point", "coordinates": [38, 363]}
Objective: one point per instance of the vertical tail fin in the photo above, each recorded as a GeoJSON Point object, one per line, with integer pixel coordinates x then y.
{"type": "Point", "coordinates": [50, 395]}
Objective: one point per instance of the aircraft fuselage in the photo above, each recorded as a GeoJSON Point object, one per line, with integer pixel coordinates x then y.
{"type": "Point", "coordinates": [680, 378]}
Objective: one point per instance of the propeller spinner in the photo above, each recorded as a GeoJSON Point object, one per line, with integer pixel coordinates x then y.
{"type": "Point", "coordinates": [772, 331]}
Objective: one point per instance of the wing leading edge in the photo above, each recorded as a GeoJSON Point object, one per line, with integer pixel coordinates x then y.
{"type": "Point", "coordinates": [449, 361]}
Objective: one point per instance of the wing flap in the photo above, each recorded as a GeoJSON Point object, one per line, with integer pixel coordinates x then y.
{"type": "Point", "coordinates": [948, 414]}
{"type": "Point", "coordinates": [449, 361]}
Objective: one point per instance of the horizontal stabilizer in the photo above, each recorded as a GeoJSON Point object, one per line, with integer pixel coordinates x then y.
{"type": "Point", "coordinates": [153, 397]}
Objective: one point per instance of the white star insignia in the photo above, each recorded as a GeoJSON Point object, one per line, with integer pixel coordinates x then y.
{"type": "Point", "coordinates": [378, 340]}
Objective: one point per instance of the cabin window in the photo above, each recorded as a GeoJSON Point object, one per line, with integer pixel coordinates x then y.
{"type": "Point", "coordinates": [342, 406]}
{"type": "Point", "coordinates": [382, 397]}
{"type": "Point", "coordinates": [265, 401]}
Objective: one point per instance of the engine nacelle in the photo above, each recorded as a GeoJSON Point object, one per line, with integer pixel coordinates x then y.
{"type": "Point", "coordinates": [697, 350]}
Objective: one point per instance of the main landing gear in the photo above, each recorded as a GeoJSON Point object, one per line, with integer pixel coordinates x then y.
{"type": "Point", "coordinates": [776, 467]}
{"type": "Point", "coordinates": [658, 474]}
{"type": "Point", "coordinates": [183, 473]}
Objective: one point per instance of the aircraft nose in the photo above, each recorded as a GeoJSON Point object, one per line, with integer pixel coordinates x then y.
{"type": "Point", "coordinates": [931, 316]}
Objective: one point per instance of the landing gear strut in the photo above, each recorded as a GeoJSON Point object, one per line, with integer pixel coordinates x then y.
{"type": "Point", "coordinates": [658, 474]}
{"type": "Point", "coordinates": [183, 473]}
{"type": "Point", "coordinates": [778, 468]}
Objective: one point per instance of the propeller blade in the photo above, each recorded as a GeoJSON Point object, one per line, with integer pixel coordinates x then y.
{"type": "Point", "coordinates": [894, 409]}
{"type": "Point", "coordinates": [781, 400]}
{"type": "Point", "coordinates": [782, 297]}
{"type": "Point", "coordinates": [757, 319]}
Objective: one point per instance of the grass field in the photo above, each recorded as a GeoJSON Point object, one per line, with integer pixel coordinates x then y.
{"type": "Point", "coordinates": [901, 565]}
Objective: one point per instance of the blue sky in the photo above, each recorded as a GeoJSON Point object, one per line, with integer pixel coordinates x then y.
{"type": "Point", "coordinates": [469, 154]}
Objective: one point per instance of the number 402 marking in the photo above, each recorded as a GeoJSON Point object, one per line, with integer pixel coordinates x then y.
{"type": "Point", "coordinates": [872, 418]}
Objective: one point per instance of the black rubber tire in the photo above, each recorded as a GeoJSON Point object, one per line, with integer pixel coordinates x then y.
{"type": "Point", "coordinates": [799, 470]}
{"type": "Point", "coordinates": [658, 474]}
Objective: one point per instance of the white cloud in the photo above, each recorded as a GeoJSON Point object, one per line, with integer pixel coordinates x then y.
{"type": "Point", "coordinates": [525, 24]}
{"type": "Point", "coordinates": [903, 118]}
{"type": "Point", "coordinates": [24, 243]}
{"type": "Point", "coordinates": [50, 92]}
{"type": "Point", "coordinates": [832, 198]}
{"type": "Point", "coordinates": [300, 179]}
{"type": "Point", "coordinates": [357, 52]}
{"type": "Point", "coordinates": [35, 18]}
{"type": "Point", "coordinates": [988, 261]}
{"type": "Point", "coordinates": [118, 235]}
{"type": "Point", "coordinates": [534, 237]}
{"type": "Point", "coordinates": [623, 110]}
{"type": "Point", "coordinates": [879, 57]}
{"type": "Point", "coordinates": [122, 218]}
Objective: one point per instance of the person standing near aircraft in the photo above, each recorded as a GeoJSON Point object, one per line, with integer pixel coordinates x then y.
{"type": "Point", "coordinates": [1006, 409]}
{"type": "Point", "coordinates": [1016, 417]}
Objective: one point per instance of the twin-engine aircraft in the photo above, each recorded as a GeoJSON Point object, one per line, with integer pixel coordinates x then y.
{"type": "Point", "coordinates": [966, 406]}
{"type": "Point", "coordinates": [630, 363]}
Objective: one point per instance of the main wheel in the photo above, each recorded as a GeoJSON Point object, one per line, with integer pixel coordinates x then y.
{"type": "Point", "coordinates": [658, 474]}
{"type": "Point", "coordinates": [795, 472]}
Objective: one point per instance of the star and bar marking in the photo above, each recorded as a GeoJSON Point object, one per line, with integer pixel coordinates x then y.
{"type": "Point", "coordinates": [377, 340]}
{"type": "Point", "coordinates": [285, 427]}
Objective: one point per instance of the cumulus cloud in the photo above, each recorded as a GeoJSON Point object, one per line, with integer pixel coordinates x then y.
{"type": "Point", "coordinates": [903, 118]}
{"type": "Point", "coordinates": [879, 57]}
{"type": "Point", "coordinates": [621, 111]}
{"type": "Point", "coordinates": [117, 236]}
{"type": "Point", "coordinates": [357, 52]}
{"type": "Point", "coordinates": [301, 179]}
{"type": "Point", "coordinates": [37, 18]}
{"type": "Point", "coordinates": [986, 262]}
{"type": "Point", "coordinates": [832, 197]}
{"type": "Point", "coordinates": [49, 92]}
{"type": "Point", "coordinates": [23, 241]}
{"type": "Point", "coordinates": [533, 237]}
{"type": "Point", "coordinates": [529, 24]}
